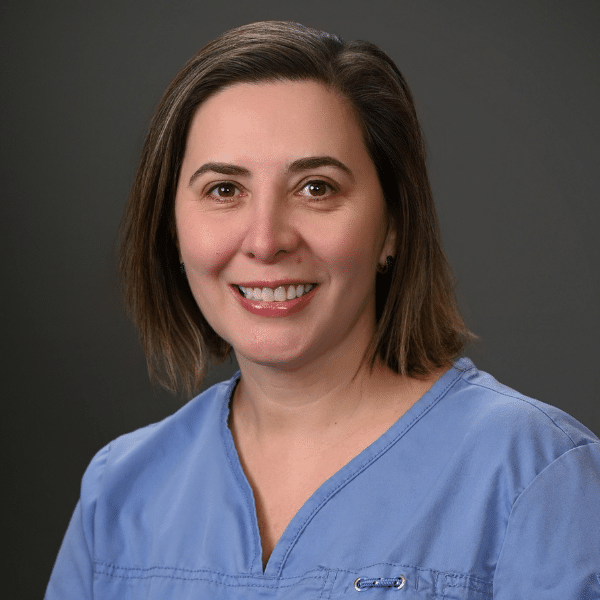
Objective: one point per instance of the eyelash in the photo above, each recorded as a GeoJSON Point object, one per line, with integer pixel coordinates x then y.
{"type": "Point", "coordinates": [333, 189]}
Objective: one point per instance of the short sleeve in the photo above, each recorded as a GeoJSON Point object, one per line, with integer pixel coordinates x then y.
{"type": "Point", "coordinates": [552, 544]}
{"type": "Point", "coordinates": [72, 574]}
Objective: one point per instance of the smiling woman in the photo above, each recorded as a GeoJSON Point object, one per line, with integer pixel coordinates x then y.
{"type": "Point", "coordinates": [303, 210]}
{"type": "Point", "coordinates": [418, 328]}
{"type": "Point", "coordinates": [282, 212]}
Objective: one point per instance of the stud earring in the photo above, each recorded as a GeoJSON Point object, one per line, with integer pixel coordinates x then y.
{"type": "Point", "coordinates": [182, 268]}
{"type": "Point", "coordinates": [389, 263]}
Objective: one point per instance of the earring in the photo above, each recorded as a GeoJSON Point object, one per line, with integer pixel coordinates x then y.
{"type": "Point", "coordinates": [182, 268]}
{"type": "Point", "coordinates": [389, 263]}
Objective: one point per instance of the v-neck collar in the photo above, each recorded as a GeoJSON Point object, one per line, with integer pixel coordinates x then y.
{"type": "Point", "coordinates": [338, 480]}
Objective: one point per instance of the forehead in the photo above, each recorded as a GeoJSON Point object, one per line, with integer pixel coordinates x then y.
{"type": "Point", "coordinates": [275, 121]}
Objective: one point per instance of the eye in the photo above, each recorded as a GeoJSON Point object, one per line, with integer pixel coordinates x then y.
{"type": "Point", "coordinates": [317, 189]}
{"type": "Point", "coordinates": [224, 190]}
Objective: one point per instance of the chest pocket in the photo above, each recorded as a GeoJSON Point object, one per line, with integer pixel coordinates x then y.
{"type": "Point", "coordinates": [387, 581]}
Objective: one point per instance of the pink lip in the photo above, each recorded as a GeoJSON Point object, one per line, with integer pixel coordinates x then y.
{"type": "Point", "coordinates": [273, 309]}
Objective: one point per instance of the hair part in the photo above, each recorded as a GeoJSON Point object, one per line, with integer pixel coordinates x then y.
{"type": "Point", "coordinates": [419, 326]}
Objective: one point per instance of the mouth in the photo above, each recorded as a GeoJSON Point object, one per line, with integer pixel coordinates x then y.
{"type": "Point", "coordinates": [281, 293]}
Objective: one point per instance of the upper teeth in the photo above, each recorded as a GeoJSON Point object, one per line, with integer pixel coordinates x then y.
{"type": "Point", "coordinates": [278, 294]}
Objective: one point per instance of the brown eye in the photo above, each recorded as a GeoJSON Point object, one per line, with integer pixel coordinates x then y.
{"type": "Point", "coordinates": [224, 190]}
{"type": "Point", "coordinates": [317, 189]}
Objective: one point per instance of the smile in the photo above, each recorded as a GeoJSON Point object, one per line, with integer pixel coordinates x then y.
{"type": "Point", "coordinates": [281, 293]}
{"type": "Point", "coordinates": [275, 302]}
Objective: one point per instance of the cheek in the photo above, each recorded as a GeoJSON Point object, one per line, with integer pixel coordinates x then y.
{"type": "Point", "coordinates": [353, 249]}
{"type": "Point", "coordinates": [204, 245]}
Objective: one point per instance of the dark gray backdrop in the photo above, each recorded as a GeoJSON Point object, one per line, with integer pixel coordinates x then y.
{"type": "Point", "coordinates": [508, 97]}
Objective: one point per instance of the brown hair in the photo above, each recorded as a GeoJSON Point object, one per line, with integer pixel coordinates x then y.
{"type": "Point", "coordinates": [419, 326]}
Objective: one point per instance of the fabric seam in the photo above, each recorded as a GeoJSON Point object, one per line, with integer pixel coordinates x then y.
{"type": "Point", "coordinates": [516, 396]}
{"type": "Point", "coordinates": [280, 582]}
{"type": "Point", "coordinates": [241, 483]}
{"type": "Point", "coordinates": [524, 490]}
{"type": "Point", "coordinates": [371, 460]}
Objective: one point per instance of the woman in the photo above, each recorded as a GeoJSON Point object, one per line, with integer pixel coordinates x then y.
{"type": "Point", "coordinates": [282, 211]}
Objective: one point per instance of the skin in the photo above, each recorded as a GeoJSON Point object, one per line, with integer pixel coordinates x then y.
{"type": "Point", "coordinates": [305, 404]}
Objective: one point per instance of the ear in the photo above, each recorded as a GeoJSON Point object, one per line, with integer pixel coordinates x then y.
{"type": "Point", "coordinates": [389, 245]}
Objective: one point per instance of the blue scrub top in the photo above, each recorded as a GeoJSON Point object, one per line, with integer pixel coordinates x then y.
{"type": "Point", "coordinates": [476, 492]}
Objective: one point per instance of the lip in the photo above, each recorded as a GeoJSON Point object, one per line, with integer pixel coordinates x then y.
{"type": "Point", "coordinates": [273, 309]}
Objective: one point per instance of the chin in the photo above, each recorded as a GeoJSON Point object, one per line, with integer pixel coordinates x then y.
{"type": "Point", "coordinates": [285, 355]}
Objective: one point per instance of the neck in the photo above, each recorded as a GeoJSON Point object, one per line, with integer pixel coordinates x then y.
{"type": "Point", "coordinates": [320, 403]}
{"type": "Point", "coordinates": [275, 400]}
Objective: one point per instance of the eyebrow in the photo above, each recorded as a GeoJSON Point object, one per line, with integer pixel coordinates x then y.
{"type": "Point", "coordinates": [302, 164]}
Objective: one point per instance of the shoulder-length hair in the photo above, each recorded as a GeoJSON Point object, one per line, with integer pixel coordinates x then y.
{"type": "Point", "coordinates": [419, 327]}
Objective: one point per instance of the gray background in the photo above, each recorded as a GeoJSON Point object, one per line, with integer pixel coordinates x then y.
{"type": "Point", "coordinates": [508, 97]}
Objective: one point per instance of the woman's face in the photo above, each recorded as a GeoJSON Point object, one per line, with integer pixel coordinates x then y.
{"type": "Point", "coordinates": [277, 193]}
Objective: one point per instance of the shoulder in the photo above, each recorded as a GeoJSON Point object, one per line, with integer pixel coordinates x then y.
{"type": "Point", "coordinates": [140, 458]}
{"type": "Point", "coordinates": [496, 410]}
{"type": "Point", "coordinates": [492, 433]}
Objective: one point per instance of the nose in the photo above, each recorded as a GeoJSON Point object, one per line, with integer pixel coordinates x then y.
{"type": "Point", "coordinates": [270, 231]}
